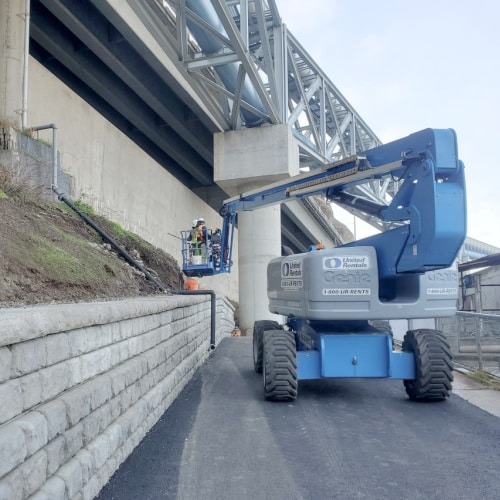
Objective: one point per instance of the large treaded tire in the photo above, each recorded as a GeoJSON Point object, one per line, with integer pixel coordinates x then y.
{"type": "Point", "coordinates": [280, 366]}
{"type": "Point", "coordinates": [382, 324]}
{"type": "Point", "coordinates": [433, 363]}
{"type": "Point", "coordinates": [259, 328]}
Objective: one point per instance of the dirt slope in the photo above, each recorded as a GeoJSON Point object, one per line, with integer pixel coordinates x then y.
{"type": "Point", "coordinates": [48, 254]}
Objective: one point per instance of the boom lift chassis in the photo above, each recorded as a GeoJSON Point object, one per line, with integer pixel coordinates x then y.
{"type": "Point", "coordinates": [338, 301]}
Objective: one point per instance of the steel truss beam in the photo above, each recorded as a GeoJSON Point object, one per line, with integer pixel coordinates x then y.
{"type": "Point", "coordinates": [276, 81]}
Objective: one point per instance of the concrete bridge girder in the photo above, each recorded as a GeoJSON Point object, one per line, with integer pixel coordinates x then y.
{"type": "Point", "coordinates": [122, 57]}
{"type": "Point", "coordinates": [112, 73]}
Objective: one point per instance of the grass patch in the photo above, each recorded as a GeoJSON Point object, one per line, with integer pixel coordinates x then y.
{"type": "Point", "coordinates": [122, 232]}
{"type": "Point", "coordinates": [12, 185]}
{"type": "Point", "coordinates": [84, 266]}
{"type": "Point", "coordinates": [83, 207]}
{"type": "Point", "coordinates": [3, 195]}
{"type": "Point", "coordinates": [486, 379]}
{"type": "Point", "coordinates": [107, 225]}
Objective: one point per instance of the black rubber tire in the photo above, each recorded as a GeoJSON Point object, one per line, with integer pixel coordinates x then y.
{"type": "Point", "coordinates": [381, 324]}
{"type": "Point", "coordinates": [280, 366]}
{"type": "Point", "coordinates": [259, 328]}
{"type": "Point", "coordinates": [433, 364]}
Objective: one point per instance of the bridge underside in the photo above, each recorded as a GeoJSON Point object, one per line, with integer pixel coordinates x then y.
{"type": "Point", "coordinates": [115, 75]}
{"type": "Point", "coordinates": [102, 59]}
{"type": "Point", "coordinates": [161, 89]}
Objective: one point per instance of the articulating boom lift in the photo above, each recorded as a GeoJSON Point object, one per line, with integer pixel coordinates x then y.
{"type": "Point", "coordinates": [334, 298]}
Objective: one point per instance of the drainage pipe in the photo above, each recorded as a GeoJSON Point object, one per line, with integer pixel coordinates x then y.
{"type": "Point", "coordinates": [62, 197]}
{"type": "Point", "coordinates": [24, 116]}
{"type": "Point", "coordinates": [212, 309]}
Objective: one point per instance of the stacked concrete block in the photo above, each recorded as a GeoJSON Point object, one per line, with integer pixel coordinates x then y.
{"type": "Point", "coordinates": [83, 383]}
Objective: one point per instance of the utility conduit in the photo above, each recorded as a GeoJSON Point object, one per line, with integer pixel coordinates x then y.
{"type": "Point", "coordinates": [212, 309]}
{"type": "Point", "coordinates": [62, 197]}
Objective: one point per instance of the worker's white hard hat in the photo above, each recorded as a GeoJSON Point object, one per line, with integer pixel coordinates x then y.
{"type": "Point", "coordinates": [201, 219]}
{"type": "Point", "coordinates": [195, 222]}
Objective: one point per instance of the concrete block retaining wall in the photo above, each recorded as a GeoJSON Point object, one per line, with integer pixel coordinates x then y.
{"type": "Point", "coordinates": [81, 384]}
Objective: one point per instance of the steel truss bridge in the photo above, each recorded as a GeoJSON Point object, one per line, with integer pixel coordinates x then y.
{"type": "Point", "coordinates": [231, 64]}
{"type": "Point", "coordinates": [254, 71]}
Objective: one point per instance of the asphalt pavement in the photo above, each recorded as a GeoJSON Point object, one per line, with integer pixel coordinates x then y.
{"type": "Point", "coordinates": [341, 439]}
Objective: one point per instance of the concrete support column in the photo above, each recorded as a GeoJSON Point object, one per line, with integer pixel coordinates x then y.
{"type": "Point", "coordinates": [259, 241]}
{"type": "Point", "coordinates": [246, 160]}
{"type": "Point", "coordinates": [11, 61]}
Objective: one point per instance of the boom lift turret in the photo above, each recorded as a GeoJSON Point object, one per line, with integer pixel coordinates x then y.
{"type": "Point", "coordinates": [332, 297]}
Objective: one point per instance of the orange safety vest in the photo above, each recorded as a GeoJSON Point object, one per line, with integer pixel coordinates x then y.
{"type": "Point", "coordinates": [199, 234]}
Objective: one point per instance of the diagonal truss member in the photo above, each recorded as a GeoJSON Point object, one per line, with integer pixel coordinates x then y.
{"type": "Point", "coordinates": [247, 65]}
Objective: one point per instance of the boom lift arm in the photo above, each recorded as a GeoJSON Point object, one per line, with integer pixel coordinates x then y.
{"type": "Point", "coordinates": [429, 208]}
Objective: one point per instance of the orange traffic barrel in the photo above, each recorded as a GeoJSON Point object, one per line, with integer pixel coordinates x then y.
{"type": "Point", "coordinates": [191, 284]}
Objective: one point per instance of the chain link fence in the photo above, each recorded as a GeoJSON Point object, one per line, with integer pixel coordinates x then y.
{"type": "Point", "coordinates": [29, 164]}
{"type": "Point", "coordinates": [474, 340]}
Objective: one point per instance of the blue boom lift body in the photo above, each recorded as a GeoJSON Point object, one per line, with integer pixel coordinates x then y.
{"type": "Point", "coordinates": [338, 301]}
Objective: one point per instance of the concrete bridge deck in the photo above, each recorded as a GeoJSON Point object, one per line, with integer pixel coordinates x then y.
{"type": "Point", "coordinates": [344, 439]}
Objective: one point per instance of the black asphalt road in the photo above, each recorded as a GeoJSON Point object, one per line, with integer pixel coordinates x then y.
{"type": "Point", "coordinates": [341, 439]}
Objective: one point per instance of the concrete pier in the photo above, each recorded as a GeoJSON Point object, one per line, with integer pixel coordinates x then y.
{"type": "Point", "coordinates": [246, 160]}
{"type": "Point", "coordinates": [12, 18]}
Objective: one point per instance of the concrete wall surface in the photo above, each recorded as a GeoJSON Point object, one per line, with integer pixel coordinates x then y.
{"type": "Point", "coordinates": [116, 177]}
{"type": "Point", "coordinates": [81, 384]}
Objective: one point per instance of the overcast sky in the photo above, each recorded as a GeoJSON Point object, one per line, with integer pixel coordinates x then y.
{"type": "Point", "coordinates": [405, 65]}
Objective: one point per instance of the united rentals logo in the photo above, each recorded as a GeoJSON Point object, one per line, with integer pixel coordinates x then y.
{"type": "Point", "coordinates": [291, 274]}
{"type": "Point", "coordinates": [291, 269]}
{"type": "Point", "coordinates": [347, 262]}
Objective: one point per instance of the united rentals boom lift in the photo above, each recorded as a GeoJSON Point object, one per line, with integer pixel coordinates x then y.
{"type": "Point", "coordinates": [333, 298]}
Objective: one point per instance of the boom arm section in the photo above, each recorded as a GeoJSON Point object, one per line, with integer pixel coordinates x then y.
{"type": "Point", "coordinates": [429, 207]}
{"type": "Point", "coordinates": [431, 203]}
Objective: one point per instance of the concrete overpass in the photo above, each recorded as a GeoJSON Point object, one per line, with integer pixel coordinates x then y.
{"type": "Point", "coordinates": [123, 58]}
{"type": "Point", "coordinates": [171, 76]}
{"type": "Point", "coordinates": [131, 96]}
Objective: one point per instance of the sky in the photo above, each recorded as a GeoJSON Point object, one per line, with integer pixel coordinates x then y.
{"type": "Point", "coordinates": [406, 65]}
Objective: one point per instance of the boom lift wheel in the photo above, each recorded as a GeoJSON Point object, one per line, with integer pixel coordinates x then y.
{"type": "Point", "coordinates": [280, 366]}
{"type": "Point", "coordinates": [259, 328]}
{"type": "Point", "coordinates": [433, 365]}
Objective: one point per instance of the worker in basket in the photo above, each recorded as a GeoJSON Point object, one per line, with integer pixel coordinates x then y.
{"type": "Point", "coordinates": [198, 237]}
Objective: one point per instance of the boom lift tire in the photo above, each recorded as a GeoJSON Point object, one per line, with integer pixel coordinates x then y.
{"type": "Point", "coordinates": [433, 365]}
{"type": "Point", "coordinates": [280, 366]}
{"type": "Point", "coordinates": [259, 328]}
{"type": "Point", "coordinates": [381, 324]}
